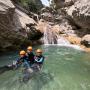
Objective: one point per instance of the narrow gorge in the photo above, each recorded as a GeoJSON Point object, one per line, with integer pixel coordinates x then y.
{"type": "Point", "coordinates": [63, 22]}
{"type": "Point", "coordinates": [44, 45]}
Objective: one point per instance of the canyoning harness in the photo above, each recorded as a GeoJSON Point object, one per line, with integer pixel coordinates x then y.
{"type": "Point", "coordinates": [39, 59]}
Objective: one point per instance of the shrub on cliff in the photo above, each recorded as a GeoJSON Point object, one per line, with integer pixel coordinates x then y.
{"type": "Point", "coordinates": [32, 5]}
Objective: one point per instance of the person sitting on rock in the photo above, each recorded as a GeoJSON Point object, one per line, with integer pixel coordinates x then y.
{"type": "Point", "coordinates": [23, 60]}
{"type": "Point", "coordinates": [30, 55]}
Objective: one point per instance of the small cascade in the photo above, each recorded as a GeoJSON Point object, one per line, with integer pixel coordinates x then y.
{"type": "Point", "coordinates": [49, 36]}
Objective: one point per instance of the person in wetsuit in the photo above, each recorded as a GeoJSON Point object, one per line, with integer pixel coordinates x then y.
{"type": "Point", "coordinates": [30, 55]}
{"type": "Point", "coordinates": [23, 60]}
{"type": "Point", "coordinates": [39, 58]}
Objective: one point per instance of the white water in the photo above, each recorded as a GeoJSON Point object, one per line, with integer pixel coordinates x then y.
{"type": "Point", "coordinates": [51, 39]}
{"type": "Point", "coordinates": [63, 41]}
{"type": "Point", "coordinates": [63, 45]}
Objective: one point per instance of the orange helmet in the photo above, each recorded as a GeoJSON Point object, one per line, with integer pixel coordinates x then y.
{"type": "Point", "coordinates": [29, 48]}
{"type": "Point", "coordinates": [39, 51]}
{"type": "Point", "coordinates": [22, 52]}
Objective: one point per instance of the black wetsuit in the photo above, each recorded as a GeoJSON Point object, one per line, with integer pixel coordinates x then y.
{"type": "Point", "coordinates": [31, 57]}
{"type": "Point", "coordinates": [23, 60]}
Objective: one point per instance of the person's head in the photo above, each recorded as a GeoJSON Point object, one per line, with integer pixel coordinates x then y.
{"type": "Point", "coordinates": [29, 49]}
{"type": "Point", "coordinates": [22, 53]}
{"type": "Point", "coordinates": [38, 52]}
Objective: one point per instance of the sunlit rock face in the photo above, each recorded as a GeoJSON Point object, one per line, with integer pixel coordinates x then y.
{"type": "Point", "coordinates": [13, 26]}
{"type": "Point", "coordinates": [80, 13]}
{"type": "Point", "coordinates": [79, 10]}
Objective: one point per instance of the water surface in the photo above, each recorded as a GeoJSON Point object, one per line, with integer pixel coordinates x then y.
{"type": "Point", "coordinates": [64, 69]}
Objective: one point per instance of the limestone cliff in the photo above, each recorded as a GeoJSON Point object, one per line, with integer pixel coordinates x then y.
{"type": "Point", "coordinates": [66, 19]}
{"type": "Point", "coordinates": [76, 15]}
{"type": "Point", "coordinates": [15, 26]}
{"type": "Point", "coordinates": [79, 10]}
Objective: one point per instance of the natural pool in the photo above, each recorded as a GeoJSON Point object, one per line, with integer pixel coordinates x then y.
{"type": "Point", "coordinates": [64, 69]}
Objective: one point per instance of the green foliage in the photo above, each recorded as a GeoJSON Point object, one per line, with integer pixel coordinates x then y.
{"type": "Point", "coordinates": [32, 5]}
{"type": "Point", "coordinates": [24, 2]}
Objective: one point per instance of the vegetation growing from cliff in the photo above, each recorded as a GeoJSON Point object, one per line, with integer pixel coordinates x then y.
{"type": "Point", "coordinates": [32, 5]}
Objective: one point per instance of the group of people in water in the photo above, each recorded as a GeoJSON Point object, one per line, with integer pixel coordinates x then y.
{"type": "Point", "coordinates": [28, 59]}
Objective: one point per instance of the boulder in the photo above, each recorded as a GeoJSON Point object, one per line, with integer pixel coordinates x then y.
{"type": "Point", "coordinates": [86, 40]}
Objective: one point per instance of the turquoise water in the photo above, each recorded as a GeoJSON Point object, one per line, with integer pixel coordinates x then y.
{"type": "Point", "coordinates": [64, 69]}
